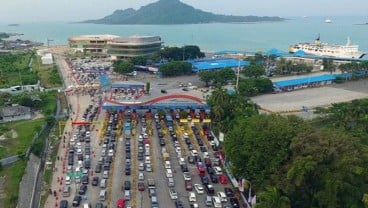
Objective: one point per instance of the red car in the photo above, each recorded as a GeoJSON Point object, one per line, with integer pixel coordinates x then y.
{"type": "Point", "coordinates": [120, 203]}
{"type": "Point", "coordinates": [223, 179]}
{"type": "Point", "coordinates": [141, 186]}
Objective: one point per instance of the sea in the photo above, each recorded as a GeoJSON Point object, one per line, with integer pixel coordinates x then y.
{"type": "Point", "coordinates": [251, 37]}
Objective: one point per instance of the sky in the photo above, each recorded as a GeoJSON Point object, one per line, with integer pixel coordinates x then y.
{"type": "Point", "coordinates": [77, 10]}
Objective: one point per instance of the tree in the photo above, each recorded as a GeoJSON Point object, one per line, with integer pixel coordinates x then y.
{"type": "Point", "coordinates": [192, 52]}
{"type": "Point", "coordinates": [327, 169]}
{"type": "Point", "coordinates": [139, 60]}
{"type": "Point", "coordinates": [254, 71]}
{"type": "Point", "coordinates": [328, 65]}
{"type": "Point", "coordinates": [272, 197]}
{"type": "Point", "coordinates": [207, 76]}
{"type": "Point", "coordinates": [148, 87]}
{"type": "Point", "coordinates": [175, 68]}
{"type": "Point", "coordinates": [224, 75]}
{"type": "Point", "coordinates": [123, 67]}
{"type": "Point", "coordinates": [258, 145]}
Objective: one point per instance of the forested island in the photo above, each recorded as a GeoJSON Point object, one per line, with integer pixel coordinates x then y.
{"type": "Point", "coordinates": [174, 12]}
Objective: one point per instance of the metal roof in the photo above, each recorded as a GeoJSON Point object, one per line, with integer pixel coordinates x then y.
{"type": "Point", "coordinates": [306, 80]}
{"type": "Point", "coordinates": [210, 64]}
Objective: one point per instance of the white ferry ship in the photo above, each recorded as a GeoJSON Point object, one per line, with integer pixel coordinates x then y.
{"type": "Point", "coordinates": [324, 49]}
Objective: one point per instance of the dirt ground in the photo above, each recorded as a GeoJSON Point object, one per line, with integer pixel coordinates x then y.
{"type": "Point", "coordinates": [313, 97]}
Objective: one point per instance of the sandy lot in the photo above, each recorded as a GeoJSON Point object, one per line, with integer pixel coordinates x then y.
{"type": "Point", "coordinates": [314, 97]}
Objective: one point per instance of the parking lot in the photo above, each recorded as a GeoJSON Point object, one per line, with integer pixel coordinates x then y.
{"type": "Point", "coordinates": [112, 158]}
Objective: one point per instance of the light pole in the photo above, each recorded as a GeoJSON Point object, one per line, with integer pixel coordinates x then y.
{"type": "Point", "coordinates": [237, 75]}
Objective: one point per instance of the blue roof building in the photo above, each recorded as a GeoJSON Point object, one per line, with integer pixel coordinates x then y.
{"type": "Point", "coordinates": [213, 64]}
{"type": "Point", "coordinates": [304, 81]}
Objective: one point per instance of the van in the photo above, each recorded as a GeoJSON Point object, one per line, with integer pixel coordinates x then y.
{"type": "Point", "coordinates": [103, 183]}
{"type": "Point", "coordinates": [170, 182]}
{"type": "Point", "coordinates": [102, 195]}
{"type": "Point", "coordinates": [216, 202]}
{"type": "Point", "coordinates": [208, 201]}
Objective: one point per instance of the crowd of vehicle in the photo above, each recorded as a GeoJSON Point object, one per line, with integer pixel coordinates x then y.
{"type": "Point", "coordinates": [166, 163]}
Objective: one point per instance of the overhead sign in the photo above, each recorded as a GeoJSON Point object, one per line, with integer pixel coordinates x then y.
{"type": "Point", "coordinates": [183, 120]}
{"type": "Point", "coordinates": [207, 120]}
{"type": "Point", "coordinates": [195, 120]}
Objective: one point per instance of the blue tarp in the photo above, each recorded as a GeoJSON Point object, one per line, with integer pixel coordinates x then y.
{"type": "Point", "coordinates": [105, 80]}
{"type": "Point", "coordinates": [116, 85]}
{"type": "Point", "coordinates": [306, 80]}
{"type": "Point", "coordinates": [210, 64]}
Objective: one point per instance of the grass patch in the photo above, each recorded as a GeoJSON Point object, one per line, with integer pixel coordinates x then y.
{"type": "Point", "coordinates": [25, 130]}
{"type": "Point", "coordinates": [48, 74]}
{"type": "Point", "coordinates": [14, 70]}
{"type": "Point", "coordinates": [3, 152]}
{"type": "Point", "coordinates": [13, 175]}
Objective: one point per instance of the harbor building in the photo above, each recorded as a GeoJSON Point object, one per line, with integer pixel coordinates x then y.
{"type": "Point", "coordinates": [90, 43]}
{"type": "Point", "coordinates": [133, 46]}
{"type": "Point", "coordinates": [115, 46]}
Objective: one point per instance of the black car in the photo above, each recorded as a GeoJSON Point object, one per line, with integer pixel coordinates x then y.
{"type": "Point", "coordinates": [203, 149]}
{"type": "Point", "coordinates": [234, 202]}
{"type": "Point", "coordinates": [99, 205]}
{"type": "Point", "coordinates": [127, 185]}
{"type": "Point", "coordinates": [87, 164]}
{"type": "Point", "coordinates": [184, 167]}
{"type": "Point", "coordinates": [63, 204]}
{"type": "Point", "coordinates": [205, 180]}
{"type": "Point", "coordinates": [187, 141]}
{"type": "Point", "coordinates": [229, 192]}
{"type": "Point", "coordinates": [85, 179]}
{"type": "Point", "coordinates": [76, 201]}
{"type": "Point", "coordinates": [95, 181]}
{"type": "Point", "coordinates": [128, 156]}
{"type": "Point", "coordinates": [191, 159]}
{"type": "Point", "coordinates": [82, 189]}
{"type": "Point", "coordinates": [163, 91]}
{"type": "Point", "coordinates": [162, 142]}
{"type": "Point", "coordinates": [210, 170]}
{"type": "Point", "coordinates": [128, 170]}
{"type": "Point", "coordinates": [214, 178]}
{"type": "Point", "coordinates": [98, 168]}
{"type": "Point", "coordinates": [179, 204]}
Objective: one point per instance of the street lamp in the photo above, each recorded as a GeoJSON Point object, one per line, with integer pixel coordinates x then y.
{"type": "Point", "coordinates": [238, 74]}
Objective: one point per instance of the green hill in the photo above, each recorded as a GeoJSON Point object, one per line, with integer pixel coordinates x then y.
{"type": "Point", "coordinates": [173, 12]}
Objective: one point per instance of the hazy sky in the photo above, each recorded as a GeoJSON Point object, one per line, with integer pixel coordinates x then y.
{"type": "Point", "coordinates": [75, 10]}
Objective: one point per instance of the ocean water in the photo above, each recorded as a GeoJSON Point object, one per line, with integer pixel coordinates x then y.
{"type": "Point", "coordinates": [213, 37]}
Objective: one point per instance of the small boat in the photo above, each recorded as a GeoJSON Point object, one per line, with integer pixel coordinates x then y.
{"type": "Point", "coordinates": [328, 21]}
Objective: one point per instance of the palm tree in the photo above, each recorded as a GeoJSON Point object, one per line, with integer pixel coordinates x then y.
{"type": "Point", "coordinates": [273, 198]}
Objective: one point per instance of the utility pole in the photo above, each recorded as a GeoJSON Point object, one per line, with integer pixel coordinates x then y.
{"type": "Point", "coordinates": [237, 75]}
{"type": "Point", "coordinates": [48, 42]}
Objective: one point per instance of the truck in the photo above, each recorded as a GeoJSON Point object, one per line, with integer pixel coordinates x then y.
{"type": "Point", "coordinates": [165, 156]}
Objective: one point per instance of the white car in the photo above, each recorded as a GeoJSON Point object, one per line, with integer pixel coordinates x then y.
{"type": "Point", "coordinates": [167, 165]}
{"type": "Point", "coordinates": [218, 170]}
{"type": "Point", "coordinates": [222, 196]}
{"type": "Point", "coordinates": [111, 153]}
{"type": "Point", "coordinates": [187, 176]}
{"type": "Point", "coordinates": [216, 201]}
{"type": "Point", "coordinates": [141, 176]}
{"type": "Point", "coordinates": [192, 197]}
{"type": "Point", "coordinates": [169, 173]}
{"type": "Point", "coordinates": [173, 194]}
{"type": "Point", "coordinates": [141, 167]}
{"type": "Point", "coordinates": [147, 160]}
{"type": "Point", "coordinates": [67, 180]}
{"type": "Point", "coordinates": [148, 167]}
{"type": "Point", "coordinates": [199, 188]}
{"type": "Point", "coordinates": [194, 153]}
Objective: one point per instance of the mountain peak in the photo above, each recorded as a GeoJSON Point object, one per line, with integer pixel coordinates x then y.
{"type": "Point", "coordinates": [172, 12]}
